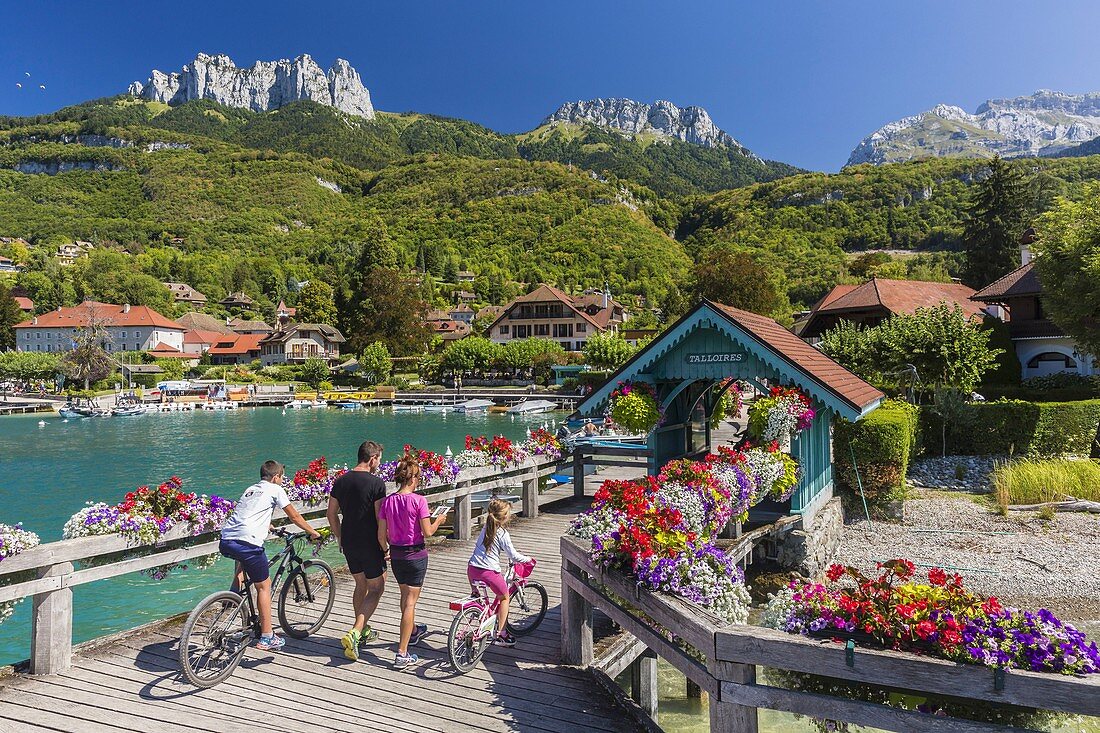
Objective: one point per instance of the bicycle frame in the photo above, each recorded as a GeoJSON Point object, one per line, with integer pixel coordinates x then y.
{"type": "Point", "coordinates": [284, 558]}
{"type": "Point", "coordinates": [487, 606]}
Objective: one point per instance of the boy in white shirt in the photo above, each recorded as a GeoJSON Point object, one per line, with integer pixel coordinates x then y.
{"type": "Point", "coordinates": [243, 538]}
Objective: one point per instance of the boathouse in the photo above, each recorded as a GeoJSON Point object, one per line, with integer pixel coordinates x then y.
{"type": "Point", "coordinates": [692, 362]}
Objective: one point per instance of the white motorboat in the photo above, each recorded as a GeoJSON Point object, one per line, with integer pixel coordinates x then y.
{"type": "Point", "coordinates": [440, 408]}
{"type": "Point", "coordinates": [305, 404]}
{"type": "Point", "coordinates": [408, 408]}
{"type": "Point", "coordinates": [71, 410]}
{"type": "Point", "coordinates": [347, 405]}
{"type": "Point", "coordinates": [128, 409]}
{"type": "Point", "coordinates": [532, 407]}
{"type": "Point", "coordinates": [473, 406]}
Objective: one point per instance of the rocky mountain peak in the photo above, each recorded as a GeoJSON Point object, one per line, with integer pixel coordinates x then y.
{"type": "Point", "coordinates": [661, 118]}
{"type": "Point", "coordinates": [263, 86]}
{"type": "Point", "coordinates": [1041, 124]}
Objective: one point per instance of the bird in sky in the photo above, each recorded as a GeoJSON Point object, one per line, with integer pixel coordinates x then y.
{"type": "Point", "coordinates": [18, 85]}
{"type": "Point", "coordinates": [41, 86]}
{"type": "Point", "coordinates": [28, 74]}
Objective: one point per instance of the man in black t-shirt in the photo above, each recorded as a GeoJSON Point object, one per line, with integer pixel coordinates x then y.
{"type": "Point", "coordinates": [352, 515]}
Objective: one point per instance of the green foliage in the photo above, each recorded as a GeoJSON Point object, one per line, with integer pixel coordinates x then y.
{"type": "Point", "coordinates": [940, 342]}
{"type": "Point", "coordinates": [607, 351]}
{"type": "Point", "coordinates": [10, 314]}
{"type": "Point", "coordinates": [521, 354]}
{"type": "Point", "coordinates": [997, 215]}
{"type": "Point", "coordinates": [173, 368]}
{"type": "Point", "coordinates": [471, 354]}
{"type": "Point", "coordinates": [1007, 370]}
{"type": "Point", "coordinates": [1041, 481]}
{"type": "Point", "coordinates": [29, 366]}
{"type": "Point", "coordinates": [1069, 267]}
{"type": "Point", "coordinates": [669, 167]}
{"type": "Point", "coordinates": [314, 371]}
{"type": "Point", "coordinates": [637, 412]}
{"type": "Point", "coordinates": [883, 443]}
{"type": "Point", "coordinates": [387, 308]}
{"type": "Point", "coordinates": [738, 279]}
{"type": "Point", "coordinates": [88, 362]}
{"type": "Point", "coordinates": [1015, 427]}
{"type": "Point", "coordinates": [316, 304]}
{"type": "Point", "coordinates": [375, 364]}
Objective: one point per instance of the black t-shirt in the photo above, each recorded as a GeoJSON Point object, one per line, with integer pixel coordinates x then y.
{"type": "Point", "coordinates": [356, 491]}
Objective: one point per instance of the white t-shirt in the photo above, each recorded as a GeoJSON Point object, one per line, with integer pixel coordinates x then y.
{"type": "Point", "coordinates": [251, 517]}
{"type": "Point", "coordinates": [501, 545]}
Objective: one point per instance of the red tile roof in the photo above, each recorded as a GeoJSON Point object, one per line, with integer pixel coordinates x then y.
{"type": "Point", "coordinates": [837, 292]}
{"type": "Point", "coordinates": [164, 351]}
{"type": "Point", "coordinates": [199, 336]}
{"type": "Point", "coordinates": [25, 304]}
{"type": "Point", "coordinates": [546, 293]}
{"type": "Point", "coordinates": [1020, 282]}
{"type": "Point", "coordinates": [111, 315]}
{"type": "Point", "coordinates": [237, 344]}
{"type": "Point", "coordinates": [822, 369]}
{"type": "Point", "coordinates": [901, 296]}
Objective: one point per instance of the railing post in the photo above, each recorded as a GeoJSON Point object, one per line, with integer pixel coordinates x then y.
{"type": "Point", "coordinates": [464, 511]}
{"type": "Point", "coordinates": [729, 717]}
{"type": "Point", "coordinates": [578, 474]}
{"type": "Point", "coordinates": [52, 625]}
{"type": "Point", "coordinates": [643, 682]}
{"type": "Point", "coordinates": [576, 622]}
{"type": "Point", "coordinates": [530, 494]}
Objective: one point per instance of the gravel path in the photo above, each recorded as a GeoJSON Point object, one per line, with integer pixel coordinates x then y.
{"type": "Point", "coordinates": [1053, 564]}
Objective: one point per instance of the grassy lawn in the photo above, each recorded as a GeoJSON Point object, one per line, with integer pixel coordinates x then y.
{"type": "Point", "coordinates": [1039, 481]}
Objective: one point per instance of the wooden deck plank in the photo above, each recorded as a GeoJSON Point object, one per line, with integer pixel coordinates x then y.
{"type": "Point", "coordinates": [133, 683]}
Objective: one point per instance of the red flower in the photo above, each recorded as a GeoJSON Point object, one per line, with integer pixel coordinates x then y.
{"type": "Point", "coordinates": [936, 576]}
{"type": "Point", "coordinates": [924, 629]}
{"type": "Point", "coordinates": [835, 572]}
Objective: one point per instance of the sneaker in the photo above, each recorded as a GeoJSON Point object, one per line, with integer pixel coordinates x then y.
{"type": "Point", "coordinates": [351, 641]}
{"type": "Point", "coordinates": [419, 632]}
{"type": "Point", "coordinates": [402, 661]}
{"type": "Point", "coordinates": [367, 635]}
{"type": "Point", "coordinates": [270, 643]}
{"type": "Point", "coordinates": [504, 639]}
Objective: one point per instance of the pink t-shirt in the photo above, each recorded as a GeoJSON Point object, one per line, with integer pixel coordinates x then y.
{"type": "Point", "coordinates": [402, 514]}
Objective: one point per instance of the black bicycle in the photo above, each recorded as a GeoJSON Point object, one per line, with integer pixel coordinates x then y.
{"type": "Point", "coordinates": [221, 628]}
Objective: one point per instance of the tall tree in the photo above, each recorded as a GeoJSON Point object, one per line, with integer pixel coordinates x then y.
{"type": "Point", "coordinates": [387, 307]}
{"type": "Point", "coordinates": [736, 278]}
{"type": "Point", "coordinates": [316, 303]}
{"type": "Point", "coordinates": [10, 314]}
{"type": "Point", "coordinates": [89, 361]}
{"type": "Point", "coordinates": [1068, 264]}
{"type": "Point", "coordinates": [997, 216]}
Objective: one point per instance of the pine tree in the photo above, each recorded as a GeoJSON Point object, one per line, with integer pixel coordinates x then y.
{"type": "Point", "coordinates": [10, 314]}
{"type": "Point", "coordinates": [997, 216]}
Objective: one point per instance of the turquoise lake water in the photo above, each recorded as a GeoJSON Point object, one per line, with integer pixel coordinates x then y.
{"type": "Point", "coordinates": [47, 473]}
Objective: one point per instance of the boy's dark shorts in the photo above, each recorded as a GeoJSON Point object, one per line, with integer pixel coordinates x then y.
{"type": "Point", "coordinates": [252, 558]}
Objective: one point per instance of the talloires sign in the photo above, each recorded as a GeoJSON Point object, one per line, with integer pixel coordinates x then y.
{"type": "Point", "coordinates": [715, 358]}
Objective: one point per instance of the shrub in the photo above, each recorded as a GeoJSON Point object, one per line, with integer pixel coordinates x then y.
{"type": "Point", "coordinates": [1039, 481]}
{"type": "Point", "coordinates": [1015, 427]}
{"type": "Point", "coordinates": [882, 443]}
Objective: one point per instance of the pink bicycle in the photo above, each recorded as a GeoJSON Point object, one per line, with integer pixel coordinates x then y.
{"type": "Point", "coordinates": [474, 625]}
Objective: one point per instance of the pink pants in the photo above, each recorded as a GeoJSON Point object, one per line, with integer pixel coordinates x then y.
{"type": "Point", "coordinates": [491, 578]}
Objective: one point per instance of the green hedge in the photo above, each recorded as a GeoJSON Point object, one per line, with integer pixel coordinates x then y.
{"type": "Point", "coordinates": [882, 443]}
{"type": "Point", "coordinates": [1015, 427]}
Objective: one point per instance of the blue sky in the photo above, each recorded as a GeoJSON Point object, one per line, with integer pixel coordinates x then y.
{"type": "Point", "coordinates": [801, 82]}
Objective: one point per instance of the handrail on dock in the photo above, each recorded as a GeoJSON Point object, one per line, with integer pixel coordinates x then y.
{"type": "Point", "coordinates": [721, 658]}
{"type": "Point", "coordinates": [55, 573]}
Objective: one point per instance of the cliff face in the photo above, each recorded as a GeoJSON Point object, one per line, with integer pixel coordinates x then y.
{"type": "Point", "coordinates": [263, 86]}
{"type": "Point", "coordinates": [662, 118]}
{"type": "Point", "coordinates": [1044, 123]}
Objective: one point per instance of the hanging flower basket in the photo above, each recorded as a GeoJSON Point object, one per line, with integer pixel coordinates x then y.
{"type": "Point", "coordinates": [784, 413]}
{"type": "Point", "coordinates": [635, 407]}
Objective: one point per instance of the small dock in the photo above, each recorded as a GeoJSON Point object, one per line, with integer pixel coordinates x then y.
{"type": "Point", "coordinates": [22, 408]}
{"type": "Point", "coordinates": [131, 682]}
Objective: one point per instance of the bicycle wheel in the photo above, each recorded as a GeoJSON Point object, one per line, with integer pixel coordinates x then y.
{"type": "Point", "coordinates": [463, 644]}
{"type": "Point", "coordinates": [526, 609]}
{"type": "Point", "coordinates": [214, 639]}
{"type": "Point", "coordinates": [306, 598]}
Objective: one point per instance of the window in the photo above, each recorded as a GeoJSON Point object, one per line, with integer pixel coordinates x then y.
{"type": "Point", "coordinates": [1052, 358]}
{"type": "Point", "coordinates": [38, 335]}
{"type": "Point", "coordinates": [582, 327]}
{"type": "Point", "coordinates": [543, 329]}
{"type": "Point", "coordinates": [503, 330]}
{"type": "Point", "coordinates": [49, 335]}
{"type": "Point", "coordinates": [122, 334]}
{"type": "Point", "coordinates": [563, 330]}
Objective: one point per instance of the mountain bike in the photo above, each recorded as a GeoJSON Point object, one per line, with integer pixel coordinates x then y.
{"type": "Point", "coordinates": [221, 628]}
{"type": "Point", "coordinates": [474, 624]}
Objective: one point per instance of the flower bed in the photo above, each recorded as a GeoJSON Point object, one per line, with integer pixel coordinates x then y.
{"type": "Point", "coordinates": [498, 451]}
{"type": "Point", "coordinates": [434, 468]}
{"type": "Point", "coordinates": [541, 442]}
{"type": "Point", "coordinates": [313, 484]}
{"type": "Point", "coordinates": [634, 406]}
{"type": "Point", "coordinates": [785, 412]}
{"type": "Point", "coordinates": [13, 540]}
{"type": "Point", "coordinates": [145, 515]}
{"type": "Point", "coordinates": [939, 617]}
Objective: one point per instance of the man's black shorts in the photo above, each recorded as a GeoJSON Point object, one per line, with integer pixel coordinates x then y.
{"type": "Point", "coordinates": [368, 561]}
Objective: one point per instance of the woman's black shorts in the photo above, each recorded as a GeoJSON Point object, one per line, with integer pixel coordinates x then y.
{"type": "Point", "coordinates": [409, 564]}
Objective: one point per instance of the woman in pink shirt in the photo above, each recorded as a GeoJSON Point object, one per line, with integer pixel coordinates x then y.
{"type": "Point", "coordinates": [403, 522]}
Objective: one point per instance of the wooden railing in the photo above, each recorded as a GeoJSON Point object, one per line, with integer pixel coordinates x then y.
{"type": "Point", "coordinates": [54, 565]}
{"type": "Point", "coordinates": [721, 659]}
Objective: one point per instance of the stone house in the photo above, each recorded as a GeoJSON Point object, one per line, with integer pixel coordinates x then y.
{"type": "Point", "coordinates": [301, 341]}
{"type": "Point", "coordinates": [128, 328]}
{"type": "Point", "coordinates": [549, 313]}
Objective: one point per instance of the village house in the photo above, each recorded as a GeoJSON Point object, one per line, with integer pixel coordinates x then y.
{"type": "Point", "coordinates": [446, 327]}
{"type": "Point", "coordinates": [203, 322]}
{"type": "Point", "coordinates": [236, 348]}
{"type": "Point", "coordinates": [198, 341]}
{"type": "Point", "coordinates": [237, 301]}
{"type": "Point", "coordinates": [184, 293]}
{"type": "Point", "coordinates": [71, 252]}
{"type": "Point", "coordinates": [238, 325]}
{"type": "Point", "coordinates": [284, 314]}
{"type": "Point", "coordinates": [877, 299]}
{"type": "Point", "coordinates": [549, 313]}
{"type": "Point", "coordinates": [9, 265]}
{"type": "Point", "coordinates": [462, 313]}
{"type": "Point", "coordinates": [299, 342]}
{"type": "Point", "coordinates": [128, 328]}
{"type": "Point", "coordinates": [465, 276]}
{"type": "Point", "coordinates": [1041, 346]}
{"type": "Point", "coordinates": [25, 304]}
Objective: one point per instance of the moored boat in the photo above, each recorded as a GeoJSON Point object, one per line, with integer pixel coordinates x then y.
{"type": "Point", "coordinates": [474, 406]}
{"type": "Point", "coordinates": [532, 407]}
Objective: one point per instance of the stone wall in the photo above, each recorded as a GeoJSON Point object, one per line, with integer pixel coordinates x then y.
{"type": "Point", "coordinates": [809, 551]}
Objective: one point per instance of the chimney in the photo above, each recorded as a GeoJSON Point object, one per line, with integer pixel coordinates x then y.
{"type": "Point", "coordinates": [1026, 241]}
{"type": "Point", "coordinates": [606, 295]}
{"type": "Point", "coordinates": [34, 321]}
{"type": "Point", "coordinates": [126, 308]}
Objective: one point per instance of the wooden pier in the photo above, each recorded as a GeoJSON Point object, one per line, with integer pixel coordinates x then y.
{"type": "Point", "coordinates": [131, 681]}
